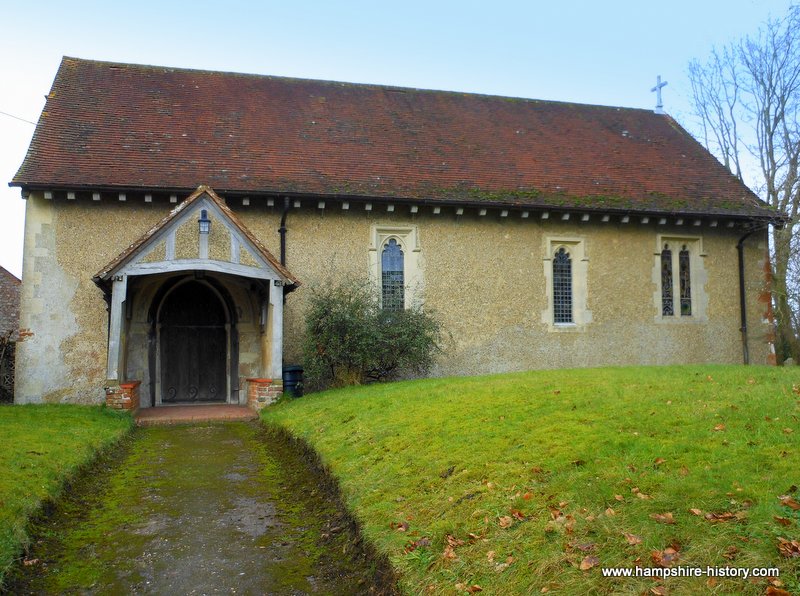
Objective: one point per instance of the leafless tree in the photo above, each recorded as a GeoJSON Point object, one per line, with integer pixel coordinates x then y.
{"type": "Point", "coordinates": [747, 97]}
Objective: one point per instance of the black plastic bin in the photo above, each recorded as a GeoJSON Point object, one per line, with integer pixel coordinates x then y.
{"type": "Point", "coordinates": [293, 380]}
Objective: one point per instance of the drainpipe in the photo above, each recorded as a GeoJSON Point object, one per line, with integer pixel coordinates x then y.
{"type": "Point", "coordinates": [282, 229]}
{"type": "Point", "coordinates": [742, 304]}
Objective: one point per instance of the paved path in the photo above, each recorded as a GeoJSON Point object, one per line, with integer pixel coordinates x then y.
{"type": "Point", "coordinates": [200, 509]}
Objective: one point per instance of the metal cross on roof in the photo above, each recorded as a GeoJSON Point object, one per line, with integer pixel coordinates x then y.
{"type": "Point", "coordinates": [659, 105]}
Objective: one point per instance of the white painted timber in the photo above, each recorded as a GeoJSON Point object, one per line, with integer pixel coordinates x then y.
{"type": "Point", "coordinates": [118, 290]}
{"type": "Point", "coordinates": [276, 310]}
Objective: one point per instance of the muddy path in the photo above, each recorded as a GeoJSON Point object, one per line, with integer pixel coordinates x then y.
{"type": "Point", "coordinates": [202, 509]}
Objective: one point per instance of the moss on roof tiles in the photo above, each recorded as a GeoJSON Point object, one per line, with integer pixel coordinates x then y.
{"type": "Point", "coordinates": [122, 125]}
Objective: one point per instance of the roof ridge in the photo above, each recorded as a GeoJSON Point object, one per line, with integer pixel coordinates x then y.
{"type": "Point", "coordinates": [372, 86]}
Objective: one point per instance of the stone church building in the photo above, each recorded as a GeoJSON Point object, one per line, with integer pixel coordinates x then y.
{"type": "Point", "coordinates": [177, 221]}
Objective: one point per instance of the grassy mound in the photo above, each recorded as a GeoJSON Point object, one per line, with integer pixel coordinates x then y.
{"type": "Point", "coordinates": [40, 448]}
{"type": "Point", "coordinates": [536, 482]}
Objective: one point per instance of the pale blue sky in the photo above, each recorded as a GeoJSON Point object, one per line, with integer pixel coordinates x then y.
{"type": "Point", "coordinates": [580, 51]}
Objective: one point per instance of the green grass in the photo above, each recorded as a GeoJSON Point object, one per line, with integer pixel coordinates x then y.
{"type": "Point", "coordinates": [537, 471]}
{"type": "Point", "coordinates": [41, 447]}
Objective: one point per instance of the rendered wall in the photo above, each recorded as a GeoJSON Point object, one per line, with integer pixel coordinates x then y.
{"type": "Point", "coordinates": [483, 275]}
{"type": "Point", "coordinates": [485, 278]}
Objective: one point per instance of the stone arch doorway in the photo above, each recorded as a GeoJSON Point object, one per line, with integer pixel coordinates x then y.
{"type": "Point", "coordinates": [193, 355]}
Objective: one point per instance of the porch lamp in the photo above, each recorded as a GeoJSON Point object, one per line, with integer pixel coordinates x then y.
{"type": "Point", "coordinates": [204, 222]}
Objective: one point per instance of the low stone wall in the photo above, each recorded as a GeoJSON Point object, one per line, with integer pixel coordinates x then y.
{"type": "Point", "coordinates": [124, 396]}
{"type": "Point", "coordinates": [263, 392]}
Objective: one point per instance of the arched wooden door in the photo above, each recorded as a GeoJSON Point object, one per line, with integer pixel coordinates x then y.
{"type": "Point", "coordinates": [193, 345]}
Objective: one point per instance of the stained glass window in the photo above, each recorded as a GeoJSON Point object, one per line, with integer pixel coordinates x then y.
{"type": "Point", "coordinates": [392, 278]}
{"type": "Point", "coordinates": [686, 282]}
{"type": "Point", "coordinates": [562, 287]}
{"type": "Point", "coordinates": [667, 307]}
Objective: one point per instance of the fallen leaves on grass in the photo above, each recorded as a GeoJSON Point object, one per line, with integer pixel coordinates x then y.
{"type": "Point", "coordinates": [559, 520]}
{"type": "Point", "coordinates": [399, 526]}
{"type": "Point", "coordinates": [789, 548]}
{"type": "Point", "coordinates": [775, 587]}
{"type": "Point", "coordinates": [517, 514]}
{"type": "Point", "coordinates": [632, 538]}
{"type": "Point", "coordinates": [663, 518]}
{"type": "Point", "coordinates": [784, 521]}
{"type": "Point", "coordinates": [789, 502]}
{"type": "Point", "coordinates": [665, 558]}
{"type": "Point", "coordinates": [584, 547]}
{"type": "Point", "coordinates": [589, 561]}
{"type": "Point", "coordinates": [730, 553]}
{"type": "Point", "coordinates": [449, 548]}
{"type": "Point", "coordinates": [719, 427]}
{"type": "Point", "coordinates": [500, 567]}
{"type": "Point", "coordinates": [726, 516]}
{"type": "Point", "coordinates": [506, 521]}
{"type": "Point", "coordinates": [695, 511]}
{"type": "Point", "coordinates": [415, 544]}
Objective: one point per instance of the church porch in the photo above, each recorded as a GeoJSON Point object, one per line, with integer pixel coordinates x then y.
{"type": "Point", "coordinates": [195, 313]}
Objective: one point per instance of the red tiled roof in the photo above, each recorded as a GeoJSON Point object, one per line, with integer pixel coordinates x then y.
{"type": "Point", "coordinates": [109, 125]}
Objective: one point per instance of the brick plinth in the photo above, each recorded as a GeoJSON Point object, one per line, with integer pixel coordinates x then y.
{"type": "Point", "coordinates": [123, 396]}
{"type": "Point", "coordinates": [263, 392]}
